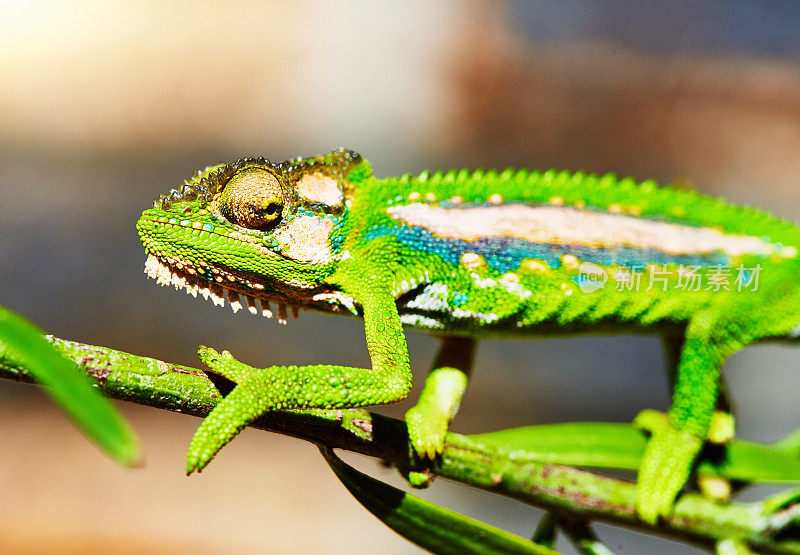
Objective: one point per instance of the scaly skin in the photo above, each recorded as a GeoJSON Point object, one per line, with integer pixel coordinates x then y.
{"type": "Point", "coordinates": [466, 255]}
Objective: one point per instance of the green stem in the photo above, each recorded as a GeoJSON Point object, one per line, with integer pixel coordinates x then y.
{"type": "Point", "coordinates": [583, 537]}
{"type": "Point", "coordinates": [435, 528]}
{"type": "Point", "coordinates": [568, 492]}
{"type": "Point", "coordinates": [545, 533]}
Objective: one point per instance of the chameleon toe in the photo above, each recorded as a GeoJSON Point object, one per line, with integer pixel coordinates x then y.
{"type": "Point", "coordinates": [426, 435]}
{"type": "Point", "coordinates": [665, 468]}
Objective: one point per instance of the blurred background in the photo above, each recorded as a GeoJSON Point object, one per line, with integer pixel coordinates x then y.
{"type": "Point", "coordinates": [103, 106]}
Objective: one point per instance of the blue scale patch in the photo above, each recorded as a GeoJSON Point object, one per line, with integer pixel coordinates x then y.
{"type": "Point", "coordinates": [337, 240]}
{"type": "Point", "coordinates": [505, 254]}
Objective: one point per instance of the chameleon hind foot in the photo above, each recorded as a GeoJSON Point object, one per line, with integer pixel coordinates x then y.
{"type": "Point", "coordinates": [666, 465]}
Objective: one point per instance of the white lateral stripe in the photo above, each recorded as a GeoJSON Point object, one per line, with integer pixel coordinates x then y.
{"type": "Point", "coordinates": [573, 226]}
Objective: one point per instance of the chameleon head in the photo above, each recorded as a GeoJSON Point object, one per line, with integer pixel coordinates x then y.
{"type": "Point", "coordinates": [254, 228]}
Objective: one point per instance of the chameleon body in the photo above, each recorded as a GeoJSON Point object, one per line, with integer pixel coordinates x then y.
{"type": "Point", "coordinates": [466, 255]}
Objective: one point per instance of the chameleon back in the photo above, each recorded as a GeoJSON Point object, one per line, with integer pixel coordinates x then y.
{"type": "Point", "coordinates": [554, 252]}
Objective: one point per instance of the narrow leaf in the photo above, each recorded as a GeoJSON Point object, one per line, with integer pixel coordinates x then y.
{"type": "Point", "coordinates": [595, 444]}
{"type": "Point", "coordinates": [22, 341]}
{"type": "Point", "coordinates": [621, 446]}
{"type": "Point", "coordinates": [424, 523]}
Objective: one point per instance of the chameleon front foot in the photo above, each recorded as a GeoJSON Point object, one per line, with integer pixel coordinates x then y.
{"type": "Point", "coordinates": [232, 414]}
{"type": "Point", "coordinates": [259, 390]}
{"type": "Point", "coordinates": [665, 467]}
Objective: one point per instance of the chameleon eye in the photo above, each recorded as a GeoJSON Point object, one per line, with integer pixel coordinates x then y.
{"type": "Point", "coordinates": [253, 198]}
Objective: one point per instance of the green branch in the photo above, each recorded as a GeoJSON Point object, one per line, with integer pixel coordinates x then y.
{"type": "Point", "coordinates": [568, 492]}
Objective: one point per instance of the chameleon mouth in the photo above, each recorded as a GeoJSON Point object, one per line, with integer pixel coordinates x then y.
{"type": "Point", "coordinates": [173, 272]}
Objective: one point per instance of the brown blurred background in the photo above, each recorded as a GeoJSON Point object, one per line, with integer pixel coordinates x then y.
{"type": "Point", "coordinates": [105, 105]}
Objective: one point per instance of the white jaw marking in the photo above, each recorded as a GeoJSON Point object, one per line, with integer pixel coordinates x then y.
{"type": "Point", "coordinates": [164, 275]}
{"type": "Point", "coordinates": [573, 226]}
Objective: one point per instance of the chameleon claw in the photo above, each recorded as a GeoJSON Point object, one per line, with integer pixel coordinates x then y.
{"type": "Point", "coordinates": [199, 453]}
{"type": "Point", "coordinates": [419, 480]}
{"type": "Point", "coordinates": [722, 428]}
{"type": "Point", "coordinates": [649, 420]}
{"type": "Point", "coordinates": [224, 364]}
{"type": "Point", "coordinates": [207, 355]}
{"type": "Point", "coordinates": [426, 433]}
{"type": "Point", "coordinates": [192, 464]}
{"type": "Point", "coordinates": [715, 487]}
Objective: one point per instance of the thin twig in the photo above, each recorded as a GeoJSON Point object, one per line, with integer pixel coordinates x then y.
{"type": "Point", "coordinates": [568, 492]}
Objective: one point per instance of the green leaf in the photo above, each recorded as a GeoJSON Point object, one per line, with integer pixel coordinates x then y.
{"type": "Point", "coordinates": [23, 342]}
{"type": "Point", "coordinates": [754, 462]}
{"type": "Point", "coordinates": [595, 444]}
{"type": "Point", "coordinates": [790, 442]}
{"type": "Point", "coordinates": [621, 446]}
{"type": "Point", "coordinates": [424, 523]}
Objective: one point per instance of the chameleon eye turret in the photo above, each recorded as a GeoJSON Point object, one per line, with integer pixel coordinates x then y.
{"type": "Point", "coordinates": [253, 198]}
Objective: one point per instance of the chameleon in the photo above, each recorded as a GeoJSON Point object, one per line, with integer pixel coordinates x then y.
{"type": "Point", "coordinates": [466, 255]}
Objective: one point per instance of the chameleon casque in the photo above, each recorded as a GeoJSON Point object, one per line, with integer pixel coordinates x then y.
{"type": "Point", "coordinates": [466, 255]}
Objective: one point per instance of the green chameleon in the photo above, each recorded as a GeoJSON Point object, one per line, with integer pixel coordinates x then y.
{"type": "Point", "coordinates": [465, 255]}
